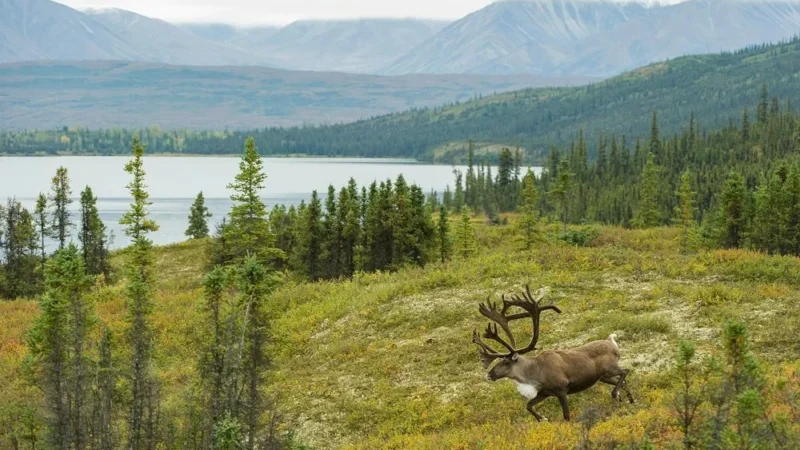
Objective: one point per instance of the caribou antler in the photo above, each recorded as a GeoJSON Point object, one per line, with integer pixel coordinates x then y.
{"type": "Point", "coordinates": [489, 309]}
{"type": "Point", "coordinates": [488, 354]}
{"type": "Point", "coordinates": [533, 310]}
{"type": "Point", "coordinates": [499, 317]}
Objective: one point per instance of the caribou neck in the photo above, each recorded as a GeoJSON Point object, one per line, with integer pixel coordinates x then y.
{"type": "Point", "coordinates": [526, 370]}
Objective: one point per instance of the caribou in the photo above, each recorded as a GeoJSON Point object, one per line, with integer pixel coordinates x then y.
{"type": "Point", "coordinates": [556, 373]}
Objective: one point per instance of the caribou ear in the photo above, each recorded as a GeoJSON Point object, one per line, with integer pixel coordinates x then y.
{"type": "Point", "coordinates": [515, 356]}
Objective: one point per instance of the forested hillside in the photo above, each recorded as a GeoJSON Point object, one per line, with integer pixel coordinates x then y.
{"type": "Point", "coordinates": [713, 87]}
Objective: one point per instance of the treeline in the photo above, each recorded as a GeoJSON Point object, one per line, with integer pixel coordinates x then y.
{"type": "Point", "coordinates": [710, 85]}
{"type": "Point", "coordinates": [736, 187]}
{"type": "Point", "coordinates": [25, 237]}
{"type": "Point", "coordinates": [382, 227]}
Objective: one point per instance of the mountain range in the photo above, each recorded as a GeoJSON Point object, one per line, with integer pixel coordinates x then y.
{"type": "Point", "coordinates": [597, 38]}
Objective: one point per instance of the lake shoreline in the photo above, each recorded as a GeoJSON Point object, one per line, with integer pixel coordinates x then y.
{"type": "Point", "coordinates": [223, 155]}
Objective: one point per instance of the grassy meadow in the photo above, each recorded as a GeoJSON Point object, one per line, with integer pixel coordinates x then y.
{"type": "Point", "coordinates": [386, 361]}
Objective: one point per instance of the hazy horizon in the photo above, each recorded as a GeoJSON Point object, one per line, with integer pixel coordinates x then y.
{"type": "Point", "coordinates": [283, 12]}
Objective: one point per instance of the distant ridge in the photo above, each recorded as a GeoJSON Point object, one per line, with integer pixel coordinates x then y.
{"type": "Point", "coordinates": [107, 94]}
{"type": "Point", "coordinates": [597, 38]}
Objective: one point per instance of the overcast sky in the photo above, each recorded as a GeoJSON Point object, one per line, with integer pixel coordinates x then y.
{"type": "Point", "coordinates": [280, 12]}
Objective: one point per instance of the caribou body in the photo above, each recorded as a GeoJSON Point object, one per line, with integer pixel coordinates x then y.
{"type": "Point", "coordinates": [555, 373]}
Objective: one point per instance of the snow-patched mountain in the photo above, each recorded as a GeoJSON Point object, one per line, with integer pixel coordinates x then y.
{"type": "Point", "coordinates": [546, 28]}
{"type": "Point", "coordinates": [692, 27]}
{"type": "Point", "coordinates": [360, 46]}
{"type": "Point", "coordinates": [154, 40]}
{"type": "Point", "coordinates": [42, 30]}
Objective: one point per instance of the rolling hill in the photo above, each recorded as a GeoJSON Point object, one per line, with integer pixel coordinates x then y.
{"type": "Point", "coordinates": [715, 87]}
{"type": "Point", "coordinates": [133, 94]}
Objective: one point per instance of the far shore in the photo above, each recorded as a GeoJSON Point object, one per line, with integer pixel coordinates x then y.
{"type": "Point", "coordinates": [213, 155]}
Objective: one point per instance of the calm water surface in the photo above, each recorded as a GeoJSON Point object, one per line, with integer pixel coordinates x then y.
{"type": "Point", "coordinates": [173, 182]}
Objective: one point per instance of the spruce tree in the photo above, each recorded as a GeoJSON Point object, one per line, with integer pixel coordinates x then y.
{"type": "Point", "coordinates": [686, 211]}
{"type": "Point", "coordinates": [42, 225]}
{"type": "Point", "coordinates": [401, 221]}
{"type": "Point", "coordinates": [443, 241]}
{"type": "Point", "coordinates": [47, 342]}
{"type": "Point", "coordinates": [615, 160]}
{"type": "Point", "coordinates": [489, 196]}
{"type": "Point", "coordinates": [648, 214]}
{"type": "Point", "coordinates": [733, 219]}
{"type": "Point", "coordinates": [255, 283]}
{"type": "Point", "coordinates": [92, 235]}
{"type": "Point", "coordinates": [762, 235]}
{"type": "Point", "coordinates": [562, 190]}
{"type": "Point", "coordinates": [248, 230]}
{"type": "Point", "coordinates": [422, 228]}
{"type": "Point", "coordinates": [383, 249]}
{"type": "Point", "coordinates": [465, 242]}
{"type": "Point", "coordinates": [601, 165]}
{"type": "Point", "coordinates": [308, 252]}
{"type": "Point", "coordinates": [103, 432]}
{"type": "Point", "coordinates": [655, 138]}
{"type": "Point", "coordinates": [504, 187]}
{"type": "Point", "coordinates": [458, 197]}
{"type": "Point", "coordinates": [331, 237]}
{"type": "Point", "coordinates": [529, 212]}
{"type": "Point", "coordinates": [198, 218]}
{"type": "Point", "coordinates": [20, 245]}
{"type": "Point", "coordinates": [58, 343]}
{"type": "Point", "coordinates": [60, 201]}
{"type": "Point", "coordinates": [470, 192]}
{"type": "Point", "coordinates": [350, 219]}
{"type": "Point", "coordinates": [139, 270]}
{"type": "Point", "coordinates": [214, 363]}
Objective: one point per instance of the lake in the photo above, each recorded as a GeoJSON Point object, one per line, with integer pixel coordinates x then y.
{"type": "Point", "coordinates": [173, 183]}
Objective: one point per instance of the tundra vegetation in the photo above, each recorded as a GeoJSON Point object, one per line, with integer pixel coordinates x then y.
{"type": "Point", "coordinates": [346, 322]}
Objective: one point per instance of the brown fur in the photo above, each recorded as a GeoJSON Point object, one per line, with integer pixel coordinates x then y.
{"type": "Point", "coordinates": [559, 373]}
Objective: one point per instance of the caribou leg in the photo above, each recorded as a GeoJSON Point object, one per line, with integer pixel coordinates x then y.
{"type": "Point", "coordinates": [535, 401]}
{"type": "Point", "coordinates": [620, 374]}
{"type": "Point", "coordinates": [562, 398]}
{"type": "Point", "coordinates": [613, 381]}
